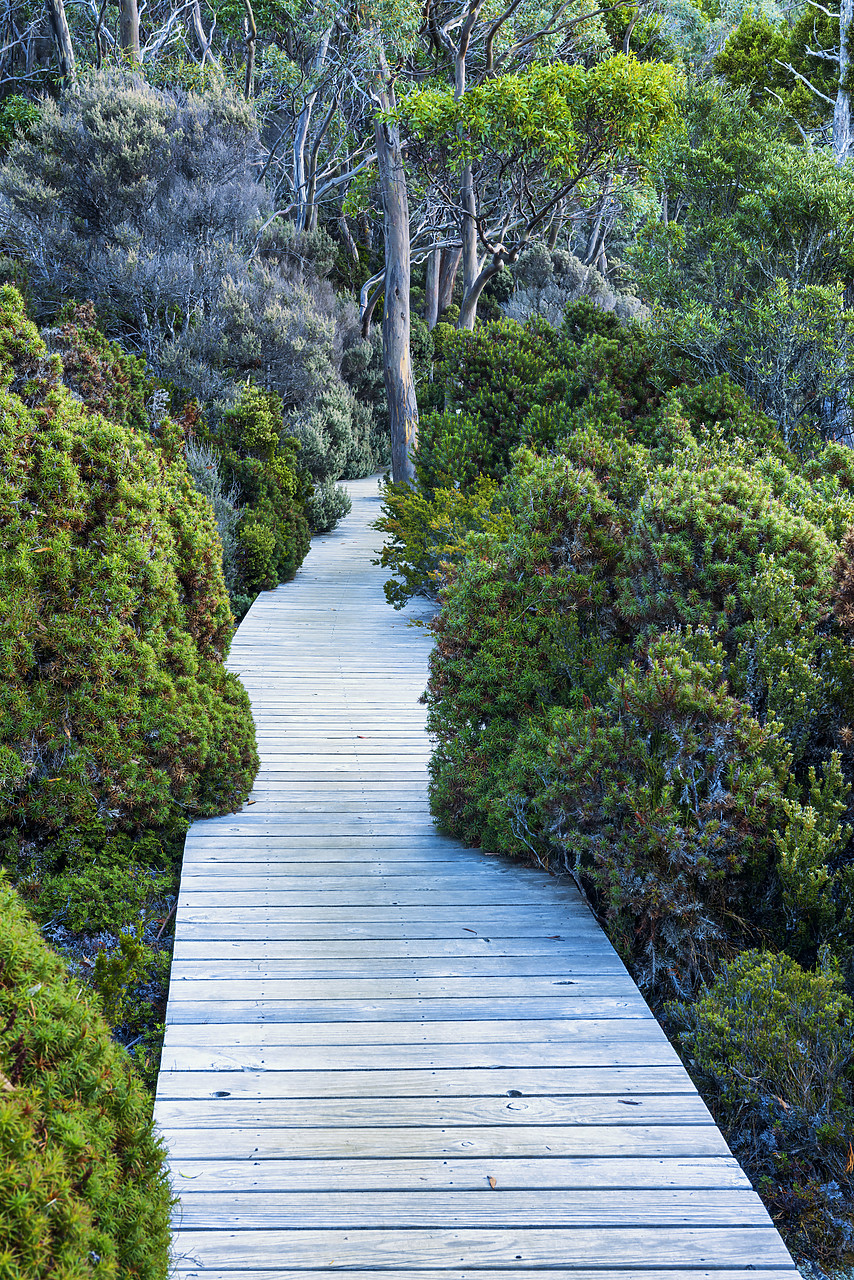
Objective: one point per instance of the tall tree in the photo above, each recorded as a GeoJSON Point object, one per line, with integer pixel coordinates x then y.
{"type": "Point", "coordinates": [62, 39]}
{"type": "Point", "coordinates": [522, 145]}
{"type": "Point", "coordinates": [397, 361]}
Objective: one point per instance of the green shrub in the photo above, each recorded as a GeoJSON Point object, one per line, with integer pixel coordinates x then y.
{"type": "Point", "coordinates": [116, 710]}
{"type": "Point", "coordinates": [638, 680]}
{"type": "Point", "coordinates": [83, 1183]}
{"type": "Point", "coordinates": [259, 462]}
{"type": "Point", "coordinates": [426, 536]}
{"type": "Point", "coordinates": [772, 1047]}
{"type": "Point", "coordinates": [107, 379]}
{"type": "Point", "coordinates": [88, 880]}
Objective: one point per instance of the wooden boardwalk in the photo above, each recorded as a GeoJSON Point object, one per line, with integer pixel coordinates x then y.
{"type": "Point", "coordinates": [385, 1052]}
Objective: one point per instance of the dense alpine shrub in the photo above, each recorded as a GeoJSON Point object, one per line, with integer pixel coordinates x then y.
{"type": "Point", "coordinates": [772, 1047]}
{"type": "Point", "coordinates": [641, 676]}
{"type": "Point", "coordinates": [258, 464]}
{"type": "Point", "coordinates": [639, 668]}
{"type": "Point", "coordinates": [116, 710]}
{"type": "Point", "coordinates": [83, 1183]}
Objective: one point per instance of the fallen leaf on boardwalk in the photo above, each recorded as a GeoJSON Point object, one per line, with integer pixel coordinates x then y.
{"type": "Point", "coordinates": [628, 1102]}
{"type": "Point", "coordinates": [555, 937]}
{"type": "Point", "coordinates": [361, 735]}
{"type": "Point", "coordinates": [493, 1182]}
{"type": "Point", "coordinates": [468, 930]}
{"type": "Point", "coordinates": [251, 801]}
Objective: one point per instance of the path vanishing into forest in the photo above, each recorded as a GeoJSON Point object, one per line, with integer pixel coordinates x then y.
{"type": "Point", "coordinates": [388, 1053]}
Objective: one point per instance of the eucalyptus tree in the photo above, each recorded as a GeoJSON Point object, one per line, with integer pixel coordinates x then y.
{"type": "Point", "coordinates": [519, 146]}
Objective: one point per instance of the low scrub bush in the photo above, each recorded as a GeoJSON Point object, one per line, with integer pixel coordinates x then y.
{"type": "Point", "coordinates": [83, 1182]}
{"type": "Point", "coordinates": [772, 1047]}
{"type": "Point", "coordinates": [259, 470]}
{"type": "Point", "coordinates": [116, 710]}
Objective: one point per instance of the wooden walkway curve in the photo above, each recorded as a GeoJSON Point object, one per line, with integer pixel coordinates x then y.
{"type": "Point", "coordinates": [387, 1053]}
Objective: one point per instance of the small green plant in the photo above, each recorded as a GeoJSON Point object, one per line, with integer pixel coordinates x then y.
{"type": "Point", "coordinates": [116, 974]}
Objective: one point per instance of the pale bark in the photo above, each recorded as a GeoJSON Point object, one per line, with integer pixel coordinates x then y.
{"type": "Point", "coordinates": [596, 239]}
{"type": "Point", "coordinates": [251, 36]}
{"type": "Point", "coordinates": [303, 122]}
{"type": "Point", "coordinates": [205, 38]}
{"type": "Point", "coordinates": [431, 288]}
{"type": "Point", "coordinates": [470, 258]}
{"type": "Point", "coordinates": [397, 363]}
{"type": "Point", "coordinates": [448, 276]}
{"type": "Point", "coordinates": [471, 295]}
{"type": "Point", "coordinates": [129, 30]}
{"type": "Point", "coordinates": [62, 39]}
{"type": "Point", "coordinates": [842, 106]}
{"type": "Point", "coordinates": [347, 237]}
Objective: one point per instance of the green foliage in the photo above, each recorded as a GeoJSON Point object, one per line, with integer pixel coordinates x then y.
{"type": "Point", "coordinates": [116, 710]}
{"type": "Point", "coordinates": [88, 880]}
{"type": "Point", "coordinates": [260, 462]}
{"type": "Point", "coordinates": [749, 278]}
{"type": "Point", "coordinates": [640, 674]}
{"type": "Point", "coordinates": [484, 385]}
{"type": "Point", "coordinates": [553, 119]}
{"type": "Point", "coordinates": [426, 536]}
{"type": "Point", "coordinates": [108, 380]}
{"type": "Point", "coordinates": [772, 1047]}
{"type": "Point", "coordinates": [83, 1183]}
{"type": "Point", "coordinates": [17, 115]}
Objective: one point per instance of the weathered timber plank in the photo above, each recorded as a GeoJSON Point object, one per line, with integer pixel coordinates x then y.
{"type": "Point", "coordinates": [430, 1113]}
{"type": "Point", "coordinates": [416, 1083]}
{"type": "Point", "coordinates": [363, 1143]}
{"type": "Point", "coordinates": [530, 1209]}
{"type": "Point", "coordinates": [405, 1175]}
{"type": "Point", "coordinates": [185, 1268]}
{"type": "Point", "coordinates": [504, 1250]}
{"type": "Point", "coordinates": [469, 950]}
{"type": "Point", "coordinates": [419, 1012]}
{"type": "Point", "coordinates": [179, 1055]}
{"type": "Point", "coordinates": [393, 980]}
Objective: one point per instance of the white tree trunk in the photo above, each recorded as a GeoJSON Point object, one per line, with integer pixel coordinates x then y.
{"type": "Point", "coordinates": [62, 37]}
{"type": "Point", "coordinates": [842, 106]}
{"type": "Point", "coordinates": [397, 363]}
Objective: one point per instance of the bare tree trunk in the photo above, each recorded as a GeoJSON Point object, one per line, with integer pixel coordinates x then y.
{"type": "Point", "coordinates": [555, 226]}
{"type": "Point", "coordinates": [129, 30]}
{"type": "Point", "coordinates": [842, 106]}
{"type": "Point", "coordinates": [471, 296]}
{"type": "Point", "coordinates": [596, 240]}
{"type": "Point", "coordinates": [62, 38]}
{"type": "Point", "coordinates": [205, 39]}
{"type": "Point", "coordinates": [251, 35]}
{"type": "Point", "coordinates": [471, 265]}
{"type": "Point", "coordinates": [448, 276]}
{"type": "Point", "coordinates": [303, 122]}
{"type": "Point", "coordinates": [397, 362]}
{"type": "Point", "coordinates": [431, 288]}
{"type": "Point", "coordinates": [347, 237]}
